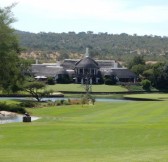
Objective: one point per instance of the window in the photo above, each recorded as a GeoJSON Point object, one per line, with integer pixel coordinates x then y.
{"type": "Point", "coordinates": [80, 71]}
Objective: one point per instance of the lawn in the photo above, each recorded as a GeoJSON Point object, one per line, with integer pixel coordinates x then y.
{"type": "Point", "coordinates": [105, 132]}
{"type": "Point", "coordinates": [79, 88]}
{"type": "Point", "coordinates": [157, 96]}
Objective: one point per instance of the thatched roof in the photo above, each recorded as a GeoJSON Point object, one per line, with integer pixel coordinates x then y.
{"type": "Point", "coordinates": [48, 71]}
{"type": "Point", "coordinates": [124, 73]}
{"type": "Point", "coordinates": [87, 62]}
{"type": "Point", "coordinates": [70, 63]}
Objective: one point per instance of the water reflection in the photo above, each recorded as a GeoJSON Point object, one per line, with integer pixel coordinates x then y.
{"type": "Point", "coordinates": [63, 98]}
{"type": "Point", "coordinates": [16, 118]}
{"type": "Point", "coordinates": [97, 99]}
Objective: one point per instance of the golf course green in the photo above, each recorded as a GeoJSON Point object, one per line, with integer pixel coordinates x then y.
{"type": "Point", "coordinates": [127, 131]}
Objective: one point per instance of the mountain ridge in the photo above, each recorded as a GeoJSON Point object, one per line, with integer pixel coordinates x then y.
{"type": "Point", "coordinates": [102, 45]}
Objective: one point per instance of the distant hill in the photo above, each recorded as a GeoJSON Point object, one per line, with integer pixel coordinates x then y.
{"type": "Point", "coordinates": [101, 45]}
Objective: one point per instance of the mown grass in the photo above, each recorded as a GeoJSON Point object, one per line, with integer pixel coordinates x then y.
{"type": "Point", "coordinates": [105, 132]}
{"type": "Point", "coordinates": [79, 88]}
{"type": "Point", "coordinates": [159, 96]}
{"type": "Point", "coordinates": [9, 102]}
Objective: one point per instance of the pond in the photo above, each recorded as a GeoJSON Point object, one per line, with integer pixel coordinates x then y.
{"type": "Point", "coordinates": [4, 119]}
{"type": "Point", "coordinates": [64, 98]}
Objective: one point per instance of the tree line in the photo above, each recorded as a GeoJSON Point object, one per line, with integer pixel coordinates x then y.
{"type": "Point", "coordinates": [155, 75]}
{"type": "Point", "coordinates": [101, 45]}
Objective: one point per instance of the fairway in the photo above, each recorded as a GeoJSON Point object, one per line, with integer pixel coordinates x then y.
{"type": "Point", "coordinates": [154, 96]}
{"type": "Point", "coordinates": [79, 88]}
{"type": "Point", "coordinates": [106, 132]}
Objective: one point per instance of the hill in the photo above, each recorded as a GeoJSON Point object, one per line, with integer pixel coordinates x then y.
{"type": "Point", "coordinates": [122, 46]}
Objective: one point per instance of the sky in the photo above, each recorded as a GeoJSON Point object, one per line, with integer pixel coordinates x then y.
{"type": "Point", "coordinates": [141, 17]}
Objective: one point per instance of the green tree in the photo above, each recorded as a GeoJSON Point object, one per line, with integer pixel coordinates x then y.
{"type": "Point", "coordinates": [137, 60]}
{"type": "Point", "coordinates": [160, 72]}
{"type": "Point", "coordinates": [10, 73]}
{"type": "Point", "coordinates": [146, 84]}
{"type": "Point", "coordinates": [149, 74]}
{"type": "Point", "coordinates": [36, 89]}
{"type": "Point", "coordinates": [138, 69]}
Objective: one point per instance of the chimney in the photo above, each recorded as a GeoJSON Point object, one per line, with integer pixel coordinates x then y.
{"type": "Point", "coordinates": [87, 52]}
{"type": "Point", "coordinates": [36, 61]}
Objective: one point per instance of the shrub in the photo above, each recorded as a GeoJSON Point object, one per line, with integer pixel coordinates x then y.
{"type": "Point", "coordinates": [28, 104]}
{"type": "Point", "coordinates": [50, 81]}
{"type": "Point", "coordinates": [93, 100]}
{"type": "Point", "coordinates": [17, 109]}
{"type": "Point", "coordinates": [66, 102]}
{"type": "Point", "coordinates": [12, 108]}
{"type": "Point", "coordinates": [62, 102]}
{"type": "Point", "coordinates": [107, 81]}
{"type": "Point", "coordinates": [110, 81]}
{"type": "Point", "coordinates": [69, 101]}
{"type": "Point", "coordinates": [87, 99]}
{"type": "Point", "coordinates": [146, 84]}
{"type": "Point", "coordinates": [75, 102]}
{"type": "Point", "coordinates": [58, 103]}
{"type": "Point", "coordinates": [50, 103]}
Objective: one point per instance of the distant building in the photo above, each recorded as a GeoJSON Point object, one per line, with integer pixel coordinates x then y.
{"type": "Point", "coordinates": [79, 70]}
{"type": "Point", "coordinates": [86, 68]}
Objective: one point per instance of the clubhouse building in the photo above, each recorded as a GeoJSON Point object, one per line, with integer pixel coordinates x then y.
{"type": "Point", "coordinates": [80, 70]}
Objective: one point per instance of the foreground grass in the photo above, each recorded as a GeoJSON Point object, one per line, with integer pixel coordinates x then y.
{"type": "Point", "coordinates": [79, 88]}
{"type": "Point", "coordinates": [105, 132]}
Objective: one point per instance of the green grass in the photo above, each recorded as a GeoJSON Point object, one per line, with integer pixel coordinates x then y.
{"type": "Point", "coordinates": [10, 102]}
{"type": "Point", "coordinates": [105, 132]}
{"type": "Point", "coordinates": [79, 88]}
{"type": "Point", "coordinates": [138, 88]}
{"type": "Point", "coordinates": [159, 96]}
{"type": "Point", "coordinates": [106, 96]}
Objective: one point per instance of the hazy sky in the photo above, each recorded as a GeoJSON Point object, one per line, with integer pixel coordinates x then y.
{"type": "Point", "coordinates": [111, 16]}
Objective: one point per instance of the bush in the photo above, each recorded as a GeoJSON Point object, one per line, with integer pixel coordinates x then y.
{"type": "Point", "coordinates": [62, 102]}
{"type": "Point", "coordinates": [110, 80]}
{"type": "Point", "coordinates": [17, 109]}
{"type": "Point", "coordinates": [107, 81]}
{"type": "Point", "coordinates": [87, 99]}
{"type": "Point", "coordinates": [12, 108]}
{"type": "Point", "coordinates": [146, 84]}
{"type": "Point", "coordinates": [75, 102]}
{"type": "Point", "coordinates": [50, 103]}
{"type": "Point", "coordinates": [50, 81]}
{"type": "Point", "coordinates": [28, 104]}
{"type": "Point", "coordinates": [58, 103]}
{"type": "Point", "coordinates": [66, 102]}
